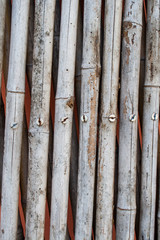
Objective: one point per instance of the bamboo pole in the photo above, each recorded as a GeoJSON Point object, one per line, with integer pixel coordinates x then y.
{"type": "Point", "coordinates": [131, 48]}
{"type": "Point", "coordinates": [88, 123]}
{"type": "Point", "coordinates": [150, 124]}
{"type": "Point", "coordinates": [14, 119]}
{"type": "Point", "coordinates": [4, 54]}
{"type": "Point", "coordinates": [39, 119]}
{"type": "Point", "coordinates": [3, 4]}
{"type": "Point", "coordinates": [64, 103]}
{"type": "Point", "coordinates": [107, 135]}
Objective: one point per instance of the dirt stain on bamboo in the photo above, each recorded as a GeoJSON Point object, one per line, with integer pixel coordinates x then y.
{"type": "Point", "coordinates": [125, 107]}
{"type": "Point", "coordinates": [92, 128]}
{"type": "Point", "coordinates": [128, 54]}
{"type": "Point", "coordinates": [70, 102]}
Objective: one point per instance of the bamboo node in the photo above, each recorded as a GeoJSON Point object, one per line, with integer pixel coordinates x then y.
{"type": "Point", "coordinates": [84, 118]}
{"type": "Point", "coordinates": [112, 118]}
{"type": "Point", "coordinates": [132, 117]}
{"type": "Point", "coordinates": [14, 125]}
{"type": "Point", "coordinates": [154, 116]}
{"type": "Point", "coordinates": [39, 121]}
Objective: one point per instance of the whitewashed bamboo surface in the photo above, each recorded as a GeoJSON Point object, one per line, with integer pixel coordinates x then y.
{"type": "Point", "coordinates": [130, 69]}
{"type": "Point", "coordinates": [64, 103]}
{"type": "Point", "coordinates": [81, 142]}
{"type": "Point", "coordinates": [150, 124]}
{"type": "Point", "coordinates": [39, 121]}
{"type": "Point", "coordinates": [3, 4]}
{"type": "Point", "coordinates": [108, 119]}
{"type": "Point", "coordinates": [14, 119]}
{"type": "Point", "coordinates": [88, 118]}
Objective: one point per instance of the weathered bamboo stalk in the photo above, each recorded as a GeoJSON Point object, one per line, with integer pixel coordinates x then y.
{"type": "Point", "coordinates": [88, 123]}
{"type": "Point", "coordinates": [107, 136]}
{"type": "Point", "coordinates": [3, 4]}
{"type": "Point", "coordinates": [39, 120]}
{"type": "Point", "coordinates": [64, 103]}
{"type": "Point", "coordinates": [150, 124]}
{"type": "Point", "coordinates": [14, 119]}
{"type": "Point", "coordinates": [5, 63]}
{"type": "Point", "coordinates": [131, 46]}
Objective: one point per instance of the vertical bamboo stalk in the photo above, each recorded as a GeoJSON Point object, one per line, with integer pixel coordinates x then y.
{"type": "Point", "coordinates": [150, 124]}
{"type": "Point", "coordinates": [64, 103]}
{"type": "Point", "coordinates": [3, 4]}
{"type": "Point", "coordinates": [5, 63]}
{"type": "Point", "coordinates": [88, 122]}
{"type": "Point", "coordinates": [107, 136]}
{"type": "Point", "coordinates": [131, 48]}
{"type": "Point", "coordinates": [14, 119]}
{"type": "Point", "coordinates": [39, 120]}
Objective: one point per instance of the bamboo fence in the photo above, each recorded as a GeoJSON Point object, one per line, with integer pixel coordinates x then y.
{"type": "Point", "coordinates": [79, 119]}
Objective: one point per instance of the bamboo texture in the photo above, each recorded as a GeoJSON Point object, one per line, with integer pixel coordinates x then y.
{"type": "Point", "coordinates": [108, 119]}
{"type": "Point", "coordinates": [88, 118]}
{"type": "Point", "coordinates": [130, 69]}
{"type": "Point", "coordinates": [14, 119]}
{"type": "Point", "coordinates": [150, 124]}
{"type": "Point", "coordinates": [3, 4]}
{"type": "Point", "coordinates": [64, 103]}
{"type": "Point", "coordinates": [39, 121]}
{"type": "Point", "coordinates": [93, 173]}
